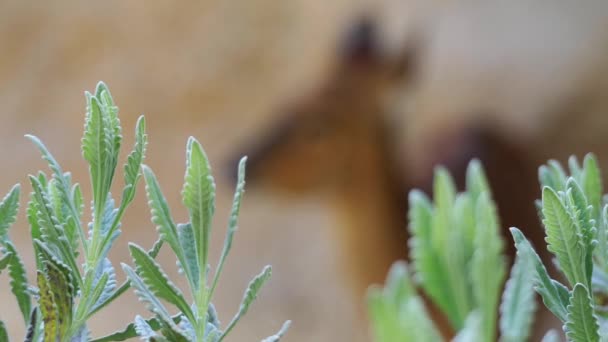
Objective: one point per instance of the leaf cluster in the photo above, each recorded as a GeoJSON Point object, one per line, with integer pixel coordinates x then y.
{"type": "Point", "coordinates": [74, 277]}
{"type": "Point", "coordinates": [458, 262]}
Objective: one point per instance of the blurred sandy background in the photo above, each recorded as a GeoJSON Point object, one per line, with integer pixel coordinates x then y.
{"type": "Point", "coordinates": [218, 70]}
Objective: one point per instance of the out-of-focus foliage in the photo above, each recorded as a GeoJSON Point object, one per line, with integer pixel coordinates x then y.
{"type": "Point", "coordinates": [458, 262]}
{"type": "Point", "coordinates": [574, 213]}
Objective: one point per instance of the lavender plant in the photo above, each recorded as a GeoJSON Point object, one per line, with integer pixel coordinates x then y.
{"type": "Point", "coordinates": [66, 294]}
{"type": "Point", "coordinates": [457, 258]}
{"type": "Point", "coordinates": [457, 262]}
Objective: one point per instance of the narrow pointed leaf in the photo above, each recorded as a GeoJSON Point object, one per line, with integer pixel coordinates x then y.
{"type": "Point", "coordinates": [592, 184]}
{"type": "Point", "coordinates": [18, 283]}
{"type": "Point", "coordinates": [518, 301]}
{"type": "Point", "coordinates": [549, 289]}
{"type": "Point", "coordinates": [277, 337]}
{"type": "Point", "coordinates": [147, 296]}
{"type": "Point", "coordinates": [157, 281]}
{"type": "Point", "coordinates": [250, 295]}
{"type": "Point", "coordinates": [132, 168]}
{"type": "Point", "coordinates": [581, 325]}
{"type": "Point", "coordinates": [233, 221]}
{"type": "Point", "coordinates": [199, 197]}
{"type": "Point", "coordinates": [3, 332]}
{"type": "Point", "coordinates": [8, 210]}
{"type": "Point", "coordinates": [188, 245]}
{"type": "Point", "coordinates": [551, 336]}
{"type": "Point", "coordinates": [562, 237]}
{"type": "Point", "coordinates": [48, 309]}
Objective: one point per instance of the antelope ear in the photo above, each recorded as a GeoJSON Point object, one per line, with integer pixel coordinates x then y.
{"type": "Point", "coordinates": [360, 43]}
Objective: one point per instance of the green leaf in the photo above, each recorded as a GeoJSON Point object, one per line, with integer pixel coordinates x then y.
{"type": "Point", "coordinates": [581, 324]}
{"type": "Point", "coordinates": [161, 217]}
{"type": "Point", "coordinates": [476, 180]}
{"type": "Point", "coordinates": [3, 332]}
{"type": "Point", "coordinates": [130, 331]}
{"type": "Point", "coordinates": [232, 223]}
{"type": "Point", "coordinates": [518, 302]}
{"type": "Point", "coordinates": [34, 327]}
{"type": "Point", "coordinates": [104, 301]}
{"type": "Point", "coordinates": [488, 267]}
{"type": "Point", "coordinates": [157, 281]}
{"type": "Point", "coordinates": [199, 198]}
{"type": "Point", "coordinates": [147, 296]}
{"type": "Point", "coordinates": [18, 283]}
{"type": "Point", "coordinates": [550, 290]}
{"type": "Point", "coordinates": [132, 168]}
{"type": "Point", "coordinates": [250, 295]}
{"type": "Point", "coordinates": [430, 271]}
{"type": "Point", "coordinates": [277, 337]}
{"type": "Point", "coordinates": [562, 237]}
{"type": "Point", "coordinates": [187, 242]}
{"type": "Point", "coordinates": [472, 330]}
{"type": "Point", "coordinates": [397, 313]}
{"type": "Point", "coordinates": [100, 146]}
{"type": "Point", "coordinates": [48, 309]}
{"type": "Point", "coordinates": [551, 336]}
{"type": "Point", "coordinates": [592, 184]}
{"type": "Point", "coordinates": [584, 223]}
{"type": "Point", "coordinates": [9, 206]}
{"type": "Point", "coordinates": [63, 185]}
{"type": "Point", "coordinates": [58, 286]}
{"type": "Point", "coordinates": [5, 261]}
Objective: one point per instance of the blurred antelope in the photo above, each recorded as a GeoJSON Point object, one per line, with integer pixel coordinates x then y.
{"type": "Point", "coordinates": [341, 139]}
{"type": "Point", "coordinates": [337, 139]}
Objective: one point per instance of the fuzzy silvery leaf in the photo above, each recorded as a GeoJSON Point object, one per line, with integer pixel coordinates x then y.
{"type": "Point", "coordinates": [132, 168]}
{"type": "Point", "coordinates": [550, 290]}
{"type": "Point", "coordinates": [109, 228]}
{"type": "Point", "coordinates": [250, 295]}
{"type": "Point", "coordinates": [56, 288]}
{"type": "Point", "coordinates": [34, 327]}
{"type": "Point", "coordinates": [100, 145]}
{"type": "Point", "coordinates": [563, 239]}
{"type": "Point", "coordinates": [198, 196]}
{"type": "Point", "coordinates": [187, 242]}
{"type": "Point", "coordinates": [147, 296]}
{"type": "Point", "coordinates": [130, 330]}
{"type": "Point", "coordinates": [4, 261]}
{"type": "Point", "coordinates": [143, 329]}
{"type": "Point", "coordinates": [551, 336]}
{"type": "Point", "coordinates": [581, 324]}
{"type": "Point", "coordinates": [429, 269]}
{"type": "Point", "coordinates": [9, 207]}
{"type": "Point", "coordinates": [157, 281]}
{"type": "Point", "coordinates": [592, 184]}
{"type": "Point", "coordinates": [161, 216]}
{"type": "Point", "coordinates": [48, 309]}
{"type": "Point", "coordinates": [104, 285]}
{"type": "Point", "coordinates": [104, 301]}
{"type": "Point", "coordinates": [488, 266]}
{"type": "Point", "coordinates": [476, 181]}
{"type": "Point", "coordinates": [52, 231]}
{"type": "Point", "coordinates": [397, 313]}
{"type": "Point", "coordinates": [518, 301]}
{"type": "Point", "coordinates": [63, 182]}
{"type": "Point", "coordinates": [18, 282]}
{"type": "Point", "coordinates": [233, 221]}
{"type": "Point", "coordinates": [584, 223]}
{"type": "Point", "coordinates": [277, 337]}
{"type": "Point", "coordinates": [472, 329]}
